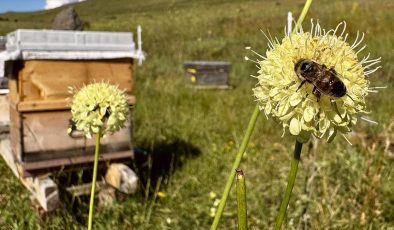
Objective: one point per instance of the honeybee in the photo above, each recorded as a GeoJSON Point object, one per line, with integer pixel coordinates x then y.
{"type": "Point", "coordinates": [324, 80]}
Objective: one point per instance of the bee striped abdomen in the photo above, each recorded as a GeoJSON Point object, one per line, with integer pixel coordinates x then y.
{"type": "Point", "coordinates": [325, 80]}
{"type": "Point", "coordinates": [338, 89]}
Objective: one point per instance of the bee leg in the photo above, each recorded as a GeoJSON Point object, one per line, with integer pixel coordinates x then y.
{"type": "Point", "coordinates": [334, 105]}
{"type": "Point", "coordinates": [302, 83]}
{"type": "Point", "coordinates": [317, 93]}
{"type": "Point", "coordinates": [349, 97]}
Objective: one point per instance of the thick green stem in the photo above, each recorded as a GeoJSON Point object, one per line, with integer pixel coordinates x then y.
{"type": "Point", "coordinates": [290, 185]}
{"type": "Point", "coordinates": [236, 163]}
{"type": "Point", "coordinates": [298, 145]}
{"type": "Point", "coordinates": [95, 166]}
{"type": "Point", "coordinates": [241, 201]}
{"type": "Point", "coordinates": [304, 11]}
{"type": "Point", "coordinates": [297, 148]}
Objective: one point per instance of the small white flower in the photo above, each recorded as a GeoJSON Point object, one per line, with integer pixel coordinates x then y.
{"type": "Point", "coordinates": [168, 220]}
{"type": "Point", "coordinates": [212, 195]}
{"type": "Point", "coordinates": [216, 202]}
{"type": "Point", "coordinates": [212, 212]}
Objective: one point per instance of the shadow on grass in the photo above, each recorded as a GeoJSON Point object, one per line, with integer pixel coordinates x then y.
{"type": "Point", "coordinates": [159, 161]}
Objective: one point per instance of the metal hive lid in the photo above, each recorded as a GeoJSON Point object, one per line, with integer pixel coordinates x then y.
{"type": "Point", "coordinates": [30, 44]}
{"type": "Point", "coordinates": [63, 40]}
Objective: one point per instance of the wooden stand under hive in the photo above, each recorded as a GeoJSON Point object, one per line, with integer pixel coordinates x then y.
{"type": "Point", "coordinates": [39, 113]}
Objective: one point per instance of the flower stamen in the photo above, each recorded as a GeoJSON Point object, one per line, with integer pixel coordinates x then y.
{"type": "Point", "coordinates": [368, 120]}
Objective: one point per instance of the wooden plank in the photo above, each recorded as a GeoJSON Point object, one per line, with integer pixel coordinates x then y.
{"type": "Point", "coordinates": [43, 105]}
{"type": "Point", "coordinates": [84, 189]}
{"type": "Point", "coordinates": [4, 110]}
{"type": "Point", "coordinates": [43, 190]}
{"type": "Point", "coordinates": [27, 91]}
{"type": "Point", "coordinates": [53, 163]}
{"type": "Point", "coordinates": [6, 153]}
{"type": "Point", "coordinates": [50, 79]}
{"type": "Point", "coordinates": [47, 131]}
{"type": "Point", "coordinates": [115, 72]}
{"type": "Point", "coordinates": [54, 104]}
{"type": "Point", "coordinates": [15, 133]}
{"type": "Point", "coordinates": [72, 152]}
{"type": "Point", "coordinates": [4, 116]}
{"type": "Point", "coordinates": [13, 93]}
{"type": "Point", "coordinates": [106, 194]}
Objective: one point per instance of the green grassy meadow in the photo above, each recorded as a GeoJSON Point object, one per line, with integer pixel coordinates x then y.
{"type": "Point", "coordinates": [190, 137]}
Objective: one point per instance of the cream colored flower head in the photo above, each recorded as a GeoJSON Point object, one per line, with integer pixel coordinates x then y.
{"type": "Point", "coordinates": [320, 106]}
{"type": "Point", "coordinates": [99, 105]}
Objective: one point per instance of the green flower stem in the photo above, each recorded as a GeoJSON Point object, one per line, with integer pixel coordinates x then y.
{"type": "Point", "coordinates": [241, 201]}
{"type": "Point", "coordinates": [297, 148]}
{"type": "Point", "coordinates": [304, 11]}
{"type": "Point", "coordinates": [96, 159]}
{"type": "Point", "coordinates": [245, 141]}
{"type": "Point", "coordinates": [290, 185]}
{"type": "Point", "coordinates": [236, 163]}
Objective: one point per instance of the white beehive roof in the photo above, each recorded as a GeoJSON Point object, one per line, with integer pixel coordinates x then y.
{"type": "Point", "coordinates": [28, 44]}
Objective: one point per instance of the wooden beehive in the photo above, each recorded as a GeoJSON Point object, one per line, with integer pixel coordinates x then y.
{"type": "Point", "coordinates": [40, 112]}
{"type": "Point", "coordinates": [207, 74]}
{"type": "Point", "coordinates": [40, 66]}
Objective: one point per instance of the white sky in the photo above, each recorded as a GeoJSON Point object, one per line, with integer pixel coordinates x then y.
{"type": "Point", "coordinates": [56, 3]}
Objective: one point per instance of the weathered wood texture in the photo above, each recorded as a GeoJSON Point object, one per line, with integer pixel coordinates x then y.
{"type": "Point", "coordinates": [40, 112]}
{"type": "Point", "coordinates": [45, 79]}
{"type": "Point", "coordinates": [16, 133]}
{"type": "Point", "coordinates": [47, 131]}
{"type": "Point", "coordinates": [4, 110]}
{"type": "Point", "coordinates": [85, 189]}
{"type": "Point", "coordinates": [54, 104]}
{"type": "Point", "coordinates": [4, 116]}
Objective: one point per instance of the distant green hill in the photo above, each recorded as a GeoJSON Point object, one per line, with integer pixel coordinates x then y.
{"type": "Point", "coordinates": [100, 11]}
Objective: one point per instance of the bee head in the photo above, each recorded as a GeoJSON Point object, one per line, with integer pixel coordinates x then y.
{"type": "Point", "coordinates": [302, 67]}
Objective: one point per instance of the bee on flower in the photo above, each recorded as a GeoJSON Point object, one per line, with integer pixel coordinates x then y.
{"type": "Point", "coordinates": [313, 83]}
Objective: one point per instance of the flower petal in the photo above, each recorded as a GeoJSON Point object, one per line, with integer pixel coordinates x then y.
{"type": "Point", "coordinates": [309, 113]}
{"type": "Point", "coordinates": [295, 99]}
{"type": "Point", "coordinates": [295, 126]}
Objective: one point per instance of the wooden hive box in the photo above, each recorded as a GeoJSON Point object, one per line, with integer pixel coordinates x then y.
{"type": "Point", "coordinates": [40, 113]}
{"type": "Point", "coordinates": [35, 115]}
{"type": "Point", "coordinates": [40, 66]}
{"type": "Point", "coordinates": [207, 74]}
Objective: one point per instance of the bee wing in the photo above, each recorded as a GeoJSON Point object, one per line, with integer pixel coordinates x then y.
{"type": "Point", "coordinates": [335, 73]}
